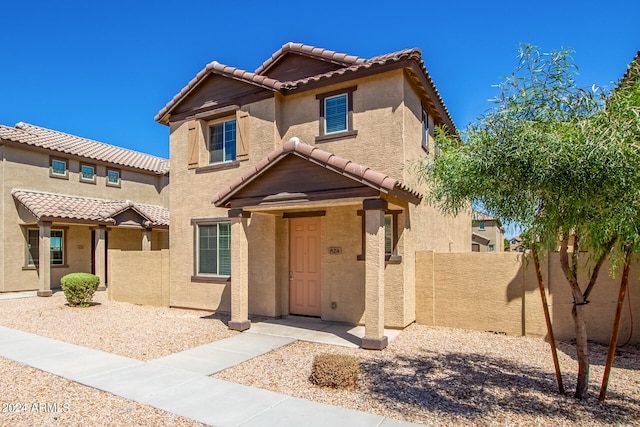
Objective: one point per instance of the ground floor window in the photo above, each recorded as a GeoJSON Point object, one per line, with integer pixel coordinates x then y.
{"type": "Point", "coordinates": [391, 236]}
{"type": "Point", "coordinates": [213, 249]}
{"type": "Point", "coordinates": [56, 247]}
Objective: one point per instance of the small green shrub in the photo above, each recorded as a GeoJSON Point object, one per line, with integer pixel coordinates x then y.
{"type": "Point", "coordinates": [335, 370]}
{"type": "Point", "coordinates": [79, 288]}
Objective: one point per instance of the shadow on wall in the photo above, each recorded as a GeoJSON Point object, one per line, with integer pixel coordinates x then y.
{"type": "Point", "coordinates": [471, 385]}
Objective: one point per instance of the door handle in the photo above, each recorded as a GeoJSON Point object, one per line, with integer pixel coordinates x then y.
{"type": "Point", "coordinates": [291, 275]}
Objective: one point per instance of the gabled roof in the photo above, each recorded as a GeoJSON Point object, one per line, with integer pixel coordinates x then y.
{"type": "Point", "coordinates": [477, 215]}
{"type": "Point", "coordinates": [327, 160]}
{"type": "Point", "coordinates": [36, 136]}
{"type": "Point", "coordinates": [348, 65]}
{"type": "Point", "coordinates": [311, 52]}
{"type": "Point", "coordinates": [62, 207]}
{"type": "Point", "coordinates": [628, 74]}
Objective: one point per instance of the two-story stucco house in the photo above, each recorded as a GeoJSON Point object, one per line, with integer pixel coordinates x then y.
{"type": "Point", "coordinates": [291, 189]}
{"type": "Point", "coordinates": [66, 199]}
{"type": "Point", "coordinates": [487, 233]}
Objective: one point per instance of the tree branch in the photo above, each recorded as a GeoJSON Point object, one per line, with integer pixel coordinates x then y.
{"type": "Point", "coordinates": [596, 269]}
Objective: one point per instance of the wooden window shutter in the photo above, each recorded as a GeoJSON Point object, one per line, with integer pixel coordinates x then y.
{"type": "Point", "coordinates": [193, 145]}
{"type": "Point", "coordinates": [242, 135]}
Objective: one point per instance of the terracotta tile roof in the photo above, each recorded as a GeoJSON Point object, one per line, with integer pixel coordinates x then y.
{"type": "Point", "coordinates": [223, 70]}
{"type": "Point", "coordinates": [350, 65]}
{"type": "Point", "coordinates": [70, 144]}
{"type": "Point", "coordinates": [627, 74]}
{"type": "Point", "coordinates": [481, 216]}
{"type": "Point", "coordinates": [328, 160]}
{"type": "Point", "coordinates": [310, 51]}
{"type": "Point", "coordinates": [64, 207]}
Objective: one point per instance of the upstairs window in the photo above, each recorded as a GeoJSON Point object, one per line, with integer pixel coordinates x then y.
{"type": "Point", "coordinates": [481, 225]}
{"type": "Point", "coordinates": [88, 173]}
{"type": "Point", "coordinates": [222, 142]}
{"type": "Point", "coordinates": [336, 114]}
{"type": "Point", "coordinates": [113, 177]}
{"type": "Point", "coordinates": [58, 168]}
{"type": "Point", "coordinates": [425, 131]}
{"type": "Point", "coordinates": [336, 117]}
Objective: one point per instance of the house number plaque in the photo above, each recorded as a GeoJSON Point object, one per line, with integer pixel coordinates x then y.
{"type": "Point", "coordinates": [335, 250]}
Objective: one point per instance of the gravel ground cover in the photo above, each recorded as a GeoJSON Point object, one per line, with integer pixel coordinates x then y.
{"type": "Point", "coordinates": [139, 332]}
{"type": "Point", "coordinates": [435, 376]}
{"type": "Point", "coordinates": [30, 397]}
{"type": "Point", "coordinates": [443, 376]}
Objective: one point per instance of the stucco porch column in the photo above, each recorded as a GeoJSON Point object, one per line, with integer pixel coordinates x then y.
{"type": "Point", "coordinates": [44, 259]}
{"type": "Point", "coordinates": [374, 338]}
{"type": "Point", "coordinates": [100, 258]}
{"type": "Point", "coordinates": [239, 271]}
{"type": "Point", "coordinates": [146, 239]}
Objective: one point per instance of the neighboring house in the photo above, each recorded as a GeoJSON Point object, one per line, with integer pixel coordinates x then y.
{"type": "Point", "coordinates": [65, 199]}
{"type": "Point", "coordinates": [307, 163]}
{"type": "Point", "coordinates": [487, 233]}
{"type": "Point", "coordinates": [515, 244]}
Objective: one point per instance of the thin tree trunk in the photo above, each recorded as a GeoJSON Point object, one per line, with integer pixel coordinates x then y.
{"type": "Point", "coordinates": [547, 318]}
{"type": "Point", "coordinates": [596, 269]}
{"type": "Point", "coordinates": [582, 346]}
{"type": "Point", "coordinates": [624, 282]}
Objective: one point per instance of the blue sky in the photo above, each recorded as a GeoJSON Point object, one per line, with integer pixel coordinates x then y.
{"type": "Point", "coordinates": [102, 70]}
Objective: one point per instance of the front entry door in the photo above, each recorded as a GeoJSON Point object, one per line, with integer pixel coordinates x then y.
{"type": "Point", "coordinates": [304, 266]}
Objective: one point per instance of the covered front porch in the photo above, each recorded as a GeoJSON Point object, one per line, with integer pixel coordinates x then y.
{"type": "Point", "coordinates": [336, 229]}
{"type": "Point", "coordinates": [66, 234]}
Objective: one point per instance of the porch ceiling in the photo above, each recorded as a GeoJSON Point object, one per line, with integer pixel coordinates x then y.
{"type": "Point", "coordinates": [299, 173]}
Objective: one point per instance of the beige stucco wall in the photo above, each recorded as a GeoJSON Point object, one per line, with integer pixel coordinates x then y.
{"type": "Point", "coordinates": [491, 232]}
{"type": "Point", "coordinates": [494, 292]}
{"type": "Point", "coordinates": [388, 121]}
{"type": "Point", "coordinates": [139, 277]}
{"type": "Point", "coordinates": [29, 169]}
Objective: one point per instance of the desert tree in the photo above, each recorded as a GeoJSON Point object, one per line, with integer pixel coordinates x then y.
{"type": "Point", "coordinates": [541, 157]}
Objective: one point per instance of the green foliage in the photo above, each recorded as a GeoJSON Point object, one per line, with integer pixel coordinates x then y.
{"type": "Point", "coordinates": [554, 158]}
{"type": "Point", "coordinates": [335, 370]}
{"type": "Point", "coordinates": [79, 288]}
{"type": "Point", "coordinates": [507, 244]}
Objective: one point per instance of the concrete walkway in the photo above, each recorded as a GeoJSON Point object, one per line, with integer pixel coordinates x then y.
{"type": "Point", "coordinates": [180, 384]}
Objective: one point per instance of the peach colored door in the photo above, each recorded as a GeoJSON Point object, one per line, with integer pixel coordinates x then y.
{"type": "Point", "coordinates": [304, 266]}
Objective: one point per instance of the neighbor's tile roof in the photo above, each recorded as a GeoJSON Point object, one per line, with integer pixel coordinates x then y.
{"type": "Point", "coordinates": [328, 160]}
{"type": "Point", "coordinates": [310, 51]}
{"type": "Point", "coordinates": [627, 74]}
{"type": "Point", "coordinates": [65, 207]}
{"type": "Point", "coordinates": [70, 144]}
{"type": "Point", "coordinates": [349, 64]}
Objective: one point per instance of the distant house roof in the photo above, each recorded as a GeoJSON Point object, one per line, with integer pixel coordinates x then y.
{"type": "Point", "coordinates": [628, 74]}
{"type": "Point", "coordinates": [51, 206]}
{"type": "Point", "coordinates": [327, 160]}
{"type": "Point", "coordinates": [347, 64]}
{"type": "Point", "coordinates": [36, 136]}
{"type": "Point", "coordinates": [481, 216]}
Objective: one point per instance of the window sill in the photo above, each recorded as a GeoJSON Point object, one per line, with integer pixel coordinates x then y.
{"type": "Point", "coordinates": [337, 135]}
{"type": "Point", "coordinates": [388, 259]}
{"type": "Point", "coordinates": [113, 185]}
{"type": "Point", "coordinates": [218, 166]}
{"type": "Point", "coordinates": [33, 267]}
{"type": "Point", "coordinates": [53, 175]}
{"type": "Point", "coordinates": [88, 181]}
{"type": "Point", "coordinates": [213, 279]}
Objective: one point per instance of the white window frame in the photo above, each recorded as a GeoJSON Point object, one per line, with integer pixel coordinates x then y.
{"type": "Point", "coordinates": [91, 180]}
{"type": "Point", "coordinates": [223, 123]}
{"type": "Point", "coordinates": [197, 255]}
{"type": "Point", "coordinates": [114, 184]}
{"type": "Point", "coordinates": [53, 174]}
{"type": "Point", "coordinates": [28, 262]}
{"type": "Point", "coordinates": [346, 113]}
